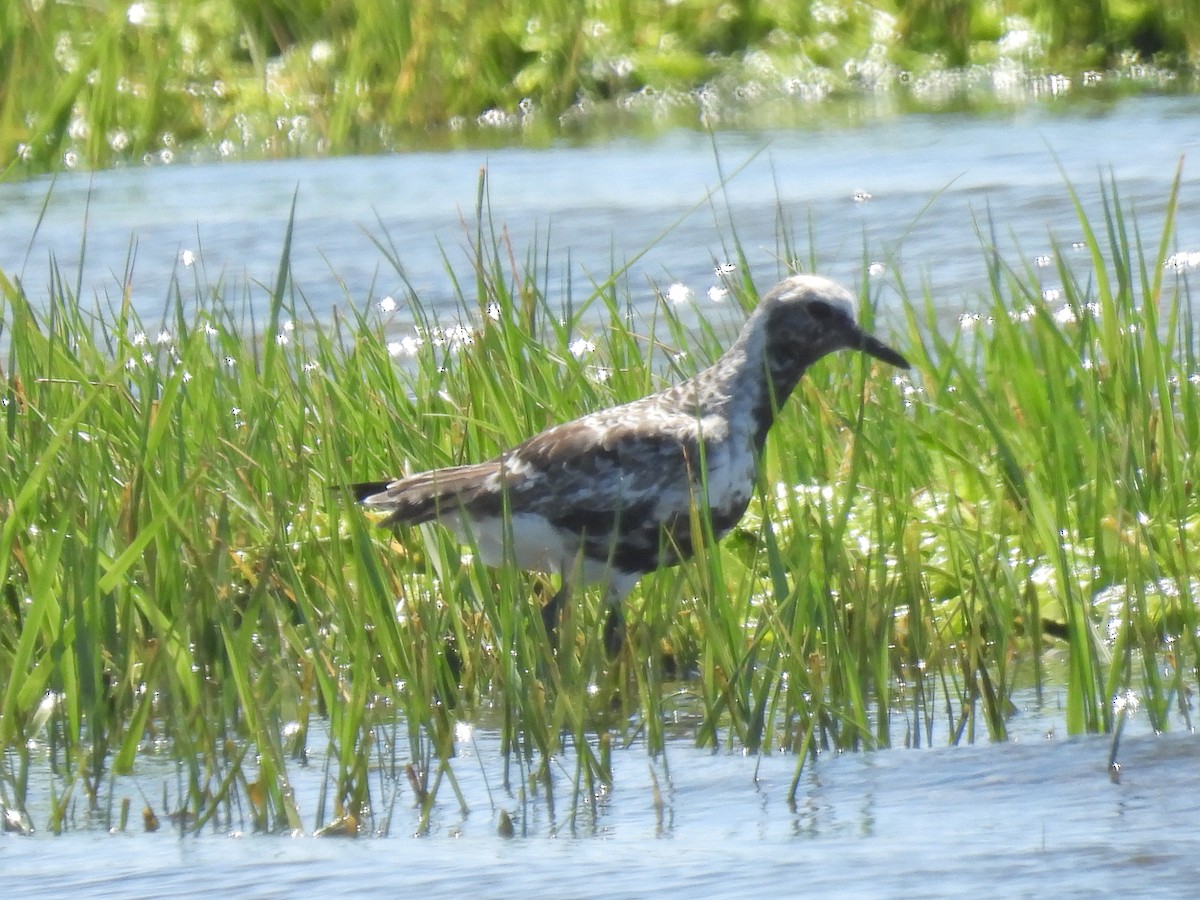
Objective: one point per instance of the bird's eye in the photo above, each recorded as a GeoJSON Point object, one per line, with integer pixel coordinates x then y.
{"type": "Point", "coordinates": [820, 310]}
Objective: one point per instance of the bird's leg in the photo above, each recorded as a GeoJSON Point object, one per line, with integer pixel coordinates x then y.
{"type": "Point", "coordinates": [614, 621]}
{"type": "Point", "coordinates": [614, 630]}
{"type": "Point", "coordinates": [552, 611]}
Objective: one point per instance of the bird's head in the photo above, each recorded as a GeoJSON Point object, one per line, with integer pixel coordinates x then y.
{"type": "Point", "coordinates": [805, 317]}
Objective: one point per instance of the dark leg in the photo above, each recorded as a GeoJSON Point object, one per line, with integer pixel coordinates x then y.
{"type": "Point", "coordinates": [614, 630]}
{"type": "Point", "coordinates": [552, 611]}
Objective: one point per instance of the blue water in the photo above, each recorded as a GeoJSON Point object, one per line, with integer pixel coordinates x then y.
{"type": "Point", "coordinates": [1035, 815]}
{"type": "Point", "coordinates": [926, 186]}
{"type": "Point", "coordinates": [1038, 815]}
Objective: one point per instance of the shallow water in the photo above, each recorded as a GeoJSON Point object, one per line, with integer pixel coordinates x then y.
{"type": "Point", "coordinates": [1038, 814]}
{"type": "Point", "coordinates": [909, 193]}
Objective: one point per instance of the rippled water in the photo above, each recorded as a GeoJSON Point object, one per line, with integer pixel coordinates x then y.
{"type": "Point", "coordinates": [909, 194]}
{"type": "Point", "coordinates": [1034, 816]}
{"type": "Point", "coordinates": [1037, 815]}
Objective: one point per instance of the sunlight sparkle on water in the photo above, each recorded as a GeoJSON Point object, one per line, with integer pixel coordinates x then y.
{"type": "Point", "coordinates": [581, 347]}
{"type": "Point", "coordinates": [679, 293]}
{"type": "Point", "coordinates": [1185, 259]}
{"type": "Point", "coordinates": [407, 346]}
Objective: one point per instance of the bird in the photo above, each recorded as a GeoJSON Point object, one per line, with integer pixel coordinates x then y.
{"type": "Point", "coordinates": [609, 497]}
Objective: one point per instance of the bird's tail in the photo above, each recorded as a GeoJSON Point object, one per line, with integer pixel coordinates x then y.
{"type": "Point", "coordinates": [364, 489]}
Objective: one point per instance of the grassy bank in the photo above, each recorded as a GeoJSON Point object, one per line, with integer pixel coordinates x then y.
{"type": "Point", "coordinates": [98, 83]}
{"type": "Point", "coordinates": [180, 574]}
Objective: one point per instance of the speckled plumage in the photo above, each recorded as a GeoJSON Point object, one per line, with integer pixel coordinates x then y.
{"type": "Point", "coordinates": [609, 496]}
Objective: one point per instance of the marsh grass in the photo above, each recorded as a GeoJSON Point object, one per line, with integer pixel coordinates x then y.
{"type": "Point", "coordinates": [90, 84]}
{"type": "Point", "coordinates": [183, 576]}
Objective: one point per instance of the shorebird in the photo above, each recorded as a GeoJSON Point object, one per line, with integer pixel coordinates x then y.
{"type": "Point", "coordinates": [610, 496]}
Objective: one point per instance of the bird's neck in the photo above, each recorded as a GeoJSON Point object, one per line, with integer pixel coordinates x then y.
{"type": "Point", "coordinates": [756, 378]}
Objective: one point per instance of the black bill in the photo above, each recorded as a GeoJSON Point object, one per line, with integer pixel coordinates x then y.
{"type": "Point", "coordinates": [880, 350]}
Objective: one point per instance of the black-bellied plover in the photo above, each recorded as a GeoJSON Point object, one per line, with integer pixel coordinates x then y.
{"type": "Point", "coordinates": [611, 496]}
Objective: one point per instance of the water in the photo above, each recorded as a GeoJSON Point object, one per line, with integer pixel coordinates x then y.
{"type": "Point", "coordinates": [1033, 814]}
{"type": "Point", "coordinates": [912, 190]}
{"type": "Point", "coordinates": [1011, 818]}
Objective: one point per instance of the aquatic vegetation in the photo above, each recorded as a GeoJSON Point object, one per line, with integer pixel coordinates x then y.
{"type": "Point", "coordinates": [152, 82]}
{"type": "Point", "coordinates": [182, 577]}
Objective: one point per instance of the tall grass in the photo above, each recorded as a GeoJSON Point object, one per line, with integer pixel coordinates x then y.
{"type": "Point", "coordinates": [93, 83]}
{"type": "Point", "coordinates": [181, 573]}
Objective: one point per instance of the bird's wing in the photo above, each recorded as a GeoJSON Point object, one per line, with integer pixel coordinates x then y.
{"type": "Point", "coordinates": [426, 495]}
{"type": "Point", "coordinates": [583, 476]}
{"type": "Point", "coordinates": [586, 475]}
